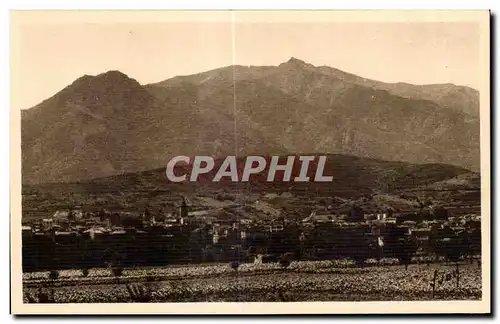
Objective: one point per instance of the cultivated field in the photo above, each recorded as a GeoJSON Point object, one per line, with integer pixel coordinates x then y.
{"type": "Point", "coordinates": [301, 281]}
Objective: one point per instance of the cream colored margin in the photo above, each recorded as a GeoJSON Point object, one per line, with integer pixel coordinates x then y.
{"type": "Point", "coordinates": [19, 18]}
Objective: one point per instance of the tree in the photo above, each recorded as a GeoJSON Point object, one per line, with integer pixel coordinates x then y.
{"type": "Point", "coordinates": [131, 222]}
{"type": "Point", "coordinates": [285, 241]}
{"type": "Point", "coordinates": [284, 263]}
{"type": "Point", "coordinates": [115, 261]}
{"type": "Point", "coordinates": [286, 259]}
{"type": "Point", "coordinates": [85, 257]}
{"type": "Point", "coordinates": [161, 216]}
{"type": "Point", "coordinates": [399, 244]}
{"type": "Point", "coordinates": [440, 213]}
{"type": "Point", "coordinates": [102, 215]}
{"type": "Point", "coordinates": [358, 246]}
{"type": "Point", "coordinates": [452, 248]}
{"type": "Point", "coordinates": [257, 243]}
{"type": "Point", "coordinates": [235, 265]}
{"type": "Point", "coordinates": [71, 216]}
{"type": "Point", "coordinates": [117, 271]}
{"type": "Point", "coordinates": [472, 240]}
{"type": "Point", "coordinates": [408, 248]}
{"type": "Point", "coordinates": [42, 296]}
{"type": "Point", "coordinates": [140, 293]}
{"type": "Point", "coordinates": [85, 272]}
{"type": "Point", "coordinates": [356, 213]}
{"type": "Point", "coordinates": [147, 214]}
{"type": "Point", "coordinates": [54, 275]}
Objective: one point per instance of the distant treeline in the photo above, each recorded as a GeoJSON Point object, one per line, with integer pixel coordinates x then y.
{"type": "Point", "coordinates": [158, 247]}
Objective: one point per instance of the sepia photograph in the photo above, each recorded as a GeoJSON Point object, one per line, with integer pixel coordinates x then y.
{"type": "Point", "coordinates": [250, 162]}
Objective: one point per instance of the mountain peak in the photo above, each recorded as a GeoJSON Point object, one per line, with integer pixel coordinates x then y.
{"type": "Point", "coordinates": [297, 63]}
{"type": "Point", "coordinates": [111, 78]}
{"type": "Point", "coordinates": [113, 74]}
{"type": "Point", "coordinates": [295, 60]}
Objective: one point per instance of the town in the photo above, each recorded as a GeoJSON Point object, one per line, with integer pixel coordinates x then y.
{"type": "Point", "coordinates": [77, 238]}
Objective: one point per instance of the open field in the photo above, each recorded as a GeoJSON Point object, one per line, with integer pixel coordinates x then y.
{"type": "Point", "coordinates": [301, 281]}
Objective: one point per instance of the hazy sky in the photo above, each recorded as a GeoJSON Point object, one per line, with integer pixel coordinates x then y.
{"type": "Point", "coordinates": [51, 56]}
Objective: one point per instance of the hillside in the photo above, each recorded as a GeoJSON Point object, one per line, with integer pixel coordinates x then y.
{"type": "Point", "coordinates": [110, 124]}
{"type": "Point", "coordinates": [354, 179]}
{"type": "Point", "coordinates": [352, 176]}
{"type": "Point", "coordinates": [459, 98]}
{"type": "Point", "coordinates": [325, 112]}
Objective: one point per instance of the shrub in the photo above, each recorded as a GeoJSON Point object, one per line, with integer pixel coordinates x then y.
{"type": "Point", "coordinates": [117, 271]}
{"type": "Point", "coordinates": [224, 196]}
{"type": "Point", "coordinates": [85, 272]}
{"type": "Point", "coordinates": [53, 275]}
{"type": "Point", "coordinates": [42, 296]}
{"type": "Point", "coordinates": [139, 293]}
{"type": "Point", "coordinates": [284, 263]}
{"type": "Point", "coordinates": [234, 265]}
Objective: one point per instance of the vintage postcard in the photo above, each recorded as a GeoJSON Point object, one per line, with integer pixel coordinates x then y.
{"type": "Point", "coordinates": [250, 162]}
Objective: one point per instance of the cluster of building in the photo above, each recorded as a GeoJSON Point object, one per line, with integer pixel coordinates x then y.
{"type": "Point", "coordinates": [416, 225]}
{"type": "Point", "coordinates": [222, 227]}
{"type": "Point", "coordinates": [221, 223]}
{"type": "Point", "coordinates": [217, 234]}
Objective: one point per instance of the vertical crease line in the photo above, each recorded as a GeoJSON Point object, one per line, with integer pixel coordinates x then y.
{"type": "Point", "coordinates": [233, 34]}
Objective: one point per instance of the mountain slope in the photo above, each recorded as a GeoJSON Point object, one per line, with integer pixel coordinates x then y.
{"type": "Point", "coordinates": [110, 124]}
{"type": "Point", "coordinates": [354, 179]}
{"type": "Point", "coordinates": [80, 132]}
{"type": "Point", "coordinates": [352, 176]}
{"type": "Point", "coordinates": [308, 109]}
{"type": "Point", "coordinates": [458, 98]}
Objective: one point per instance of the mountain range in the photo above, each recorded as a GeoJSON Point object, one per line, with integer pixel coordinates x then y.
{"type": "Point", "coordinates": [110, 124]}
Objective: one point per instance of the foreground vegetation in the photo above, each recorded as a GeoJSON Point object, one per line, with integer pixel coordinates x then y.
{"type": "Point", "coordinates": [299, 281]}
